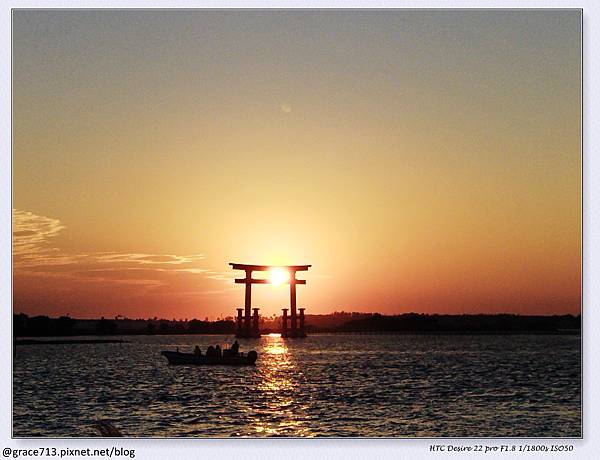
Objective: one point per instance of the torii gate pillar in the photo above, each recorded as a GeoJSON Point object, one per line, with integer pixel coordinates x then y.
{"type": "Point", "coordinates": [294, 332]}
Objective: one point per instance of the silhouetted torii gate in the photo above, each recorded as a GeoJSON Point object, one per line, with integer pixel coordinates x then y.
{"type": "Point", "coordinates": [246, 331]}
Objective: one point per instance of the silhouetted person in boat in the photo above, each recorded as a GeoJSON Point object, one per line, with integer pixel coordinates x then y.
{"type": "Point", "coordinates": [210, 351]}
{"type": "Point", "coordinates": [235, 348]}
{"type": "Point", "coordinates": [197, 351]}
{"type": "Point", "coordinates": [218, 351]}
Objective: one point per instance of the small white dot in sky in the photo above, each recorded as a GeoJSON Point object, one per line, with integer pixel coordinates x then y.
{"type": "Point", "coordinates": [286, 108]}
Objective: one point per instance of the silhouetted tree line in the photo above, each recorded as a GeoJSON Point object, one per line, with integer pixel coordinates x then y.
{"type": "Point", "coordinates": [410, 323]}
{"type": "Point", "coordinates": [463, 324]}
{"type": "Point", "coordinates": [36, 326]}
{"type": "Point", "coordinates": [42, 325]}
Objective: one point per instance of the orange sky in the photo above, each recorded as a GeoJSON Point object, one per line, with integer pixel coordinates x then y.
{"type": "Point", "coordinates": [420, 161]}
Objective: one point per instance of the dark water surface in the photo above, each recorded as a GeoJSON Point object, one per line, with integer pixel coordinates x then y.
{"type": "Point", "coordinates": [326, 385]}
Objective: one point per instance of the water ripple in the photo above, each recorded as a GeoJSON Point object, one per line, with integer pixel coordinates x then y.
{"type": "Point", "coordinates": [326, 385]}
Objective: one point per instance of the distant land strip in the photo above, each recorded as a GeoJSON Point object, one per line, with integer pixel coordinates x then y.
{"type": "Point", "coordinates": [337, 322]}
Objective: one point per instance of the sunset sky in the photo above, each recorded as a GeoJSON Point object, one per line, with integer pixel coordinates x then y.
{"type": "Point", "coordinates": [419, 160]}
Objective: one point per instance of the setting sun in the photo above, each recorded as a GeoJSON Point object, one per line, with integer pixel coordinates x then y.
{"type": "Point", "coordinates": [278, 276]}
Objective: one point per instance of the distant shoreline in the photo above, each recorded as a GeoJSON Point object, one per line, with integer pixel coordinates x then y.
{"type": "Point", "coordinates": [406, 333]}
{"type": "Point", "coordinates": [533, 332]}
{"type": "Point", "coordinates": [335, 323]}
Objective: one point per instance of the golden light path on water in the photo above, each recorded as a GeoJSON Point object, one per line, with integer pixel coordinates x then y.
{"type": "Point", "coordinates": [277, 388]}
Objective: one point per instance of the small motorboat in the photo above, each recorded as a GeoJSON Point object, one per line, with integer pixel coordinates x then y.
{"type": "Point", "coordinates": [176, 357]}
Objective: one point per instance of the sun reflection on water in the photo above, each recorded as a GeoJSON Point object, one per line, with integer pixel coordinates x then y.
{"type": "Point", "coordinates": [275, 349]}
{"type": "Point", "coordinates": [280, 415]}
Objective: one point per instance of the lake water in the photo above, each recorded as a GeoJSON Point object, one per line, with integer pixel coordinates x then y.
{"type": "Point", "coordinates": [325, 385]}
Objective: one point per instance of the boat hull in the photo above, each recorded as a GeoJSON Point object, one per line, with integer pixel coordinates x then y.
{"type": "Point", "coordinates": [178, 358]}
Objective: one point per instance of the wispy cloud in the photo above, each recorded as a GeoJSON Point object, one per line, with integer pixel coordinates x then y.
{"type": "Point", "coordinates": [36, 254]}
{"type": "Point", "coordinates": [32, 237]}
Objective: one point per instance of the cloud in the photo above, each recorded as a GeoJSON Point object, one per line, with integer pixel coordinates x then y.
{"type": "Point", "coordinates": [32, 236]}
{"type": "Point", "coordinates": [36, 256]}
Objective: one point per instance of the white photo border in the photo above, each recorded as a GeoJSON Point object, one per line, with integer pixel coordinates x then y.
{"type": "Point", "coordinates": [333, 449]}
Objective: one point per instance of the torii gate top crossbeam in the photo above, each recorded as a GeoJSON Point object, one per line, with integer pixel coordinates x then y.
{"type": "Point", "coordinates": [262, 268]}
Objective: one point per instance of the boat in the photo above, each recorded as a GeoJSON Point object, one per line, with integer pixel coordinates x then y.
{"type": "Point", "coordinates": [176, 357]}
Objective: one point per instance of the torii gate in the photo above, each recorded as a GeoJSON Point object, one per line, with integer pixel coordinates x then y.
{"type": "Point", "coordinates": [245, 330]}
